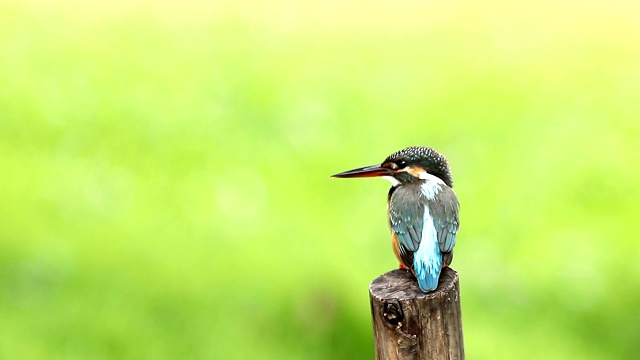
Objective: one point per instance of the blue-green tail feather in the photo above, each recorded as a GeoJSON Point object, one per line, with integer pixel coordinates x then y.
{"type": "Point", "coordinates": [427, 267]}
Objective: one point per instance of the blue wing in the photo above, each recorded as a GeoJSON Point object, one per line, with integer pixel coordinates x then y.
{"type": "Point", "coordinates": [405, 220]}
{"type": "Point", "coordinates": [426, 230]}
{"type": "Point", "coordinates": [446, 221]}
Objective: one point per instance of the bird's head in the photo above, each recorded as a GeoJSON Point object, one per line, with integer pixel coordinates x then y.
{"type": "Point", "coordinates": [408, 165]}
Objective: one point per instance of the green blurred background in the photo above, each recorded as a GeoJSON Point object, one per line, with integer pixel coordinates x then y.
{"type": "Point", "coordinates": [165, 189]}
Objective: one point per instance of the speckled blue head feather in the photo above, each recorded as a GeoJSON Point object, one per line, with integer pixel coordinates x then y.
{"type": "Point", "coordinates": [425, 157]}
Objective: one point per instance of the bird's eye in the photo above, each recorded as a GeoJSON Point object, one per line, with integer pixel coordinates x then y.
{"type": "Point", "coordinates": [401, 164]}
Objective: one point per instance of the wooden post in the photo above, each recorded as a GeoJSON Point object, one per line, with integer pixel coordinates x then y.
{"type": "Point", "coordinates": [411, 324]}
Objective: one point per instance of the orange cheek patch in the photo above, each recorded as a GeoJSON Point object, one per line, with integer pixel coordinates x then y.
{"type": "Point", "coordinates": [415, 171]}
{"type": "Point", "coordinates": [389, 165]}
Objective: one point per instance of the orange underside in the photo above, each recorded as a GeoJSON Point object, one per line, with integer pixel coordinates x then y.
{"type": "Point", "coordinates": [396, 250]}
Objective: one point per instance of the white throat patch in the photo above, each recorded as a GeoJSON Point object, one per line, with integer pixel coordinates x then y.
{"type": "Point", "coordinates": [432, 185]}
{"type": "Point", "coordinates": [394, 182]}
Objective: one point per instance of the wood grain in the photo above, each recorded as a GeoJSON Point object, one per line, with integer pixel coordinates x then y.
{"type": "Point", "coordinates": [411, 324]}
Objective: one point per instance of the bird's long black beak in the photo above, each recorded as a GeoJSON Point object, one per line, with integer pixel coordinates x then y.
{"type": "Point", "coordinates": [367, 171]}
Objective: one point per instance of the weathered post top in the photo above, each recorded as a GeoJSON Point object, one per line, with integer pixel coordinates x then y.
{"type": "Point", "coordinates": [411, 324]}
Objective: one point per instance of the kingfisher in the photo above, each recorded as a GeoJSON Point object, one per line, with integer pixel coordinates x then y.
{"type": "Point", "coordinates": [422, 210]}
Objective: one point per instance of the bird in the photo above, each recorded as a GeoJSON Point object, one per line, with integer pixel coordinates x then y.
{"type": "Point", "coordinates": [422, 209]}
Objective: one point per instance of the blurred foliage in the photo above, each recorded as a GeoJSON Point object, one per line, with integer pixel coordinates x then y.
{"type": "Point", "coordinates": [165, 189]}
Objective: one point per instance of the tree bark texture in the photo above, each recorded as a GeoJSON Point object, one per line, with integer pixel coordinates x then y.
{"type": "Point", "coordinates": [411, 324]}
